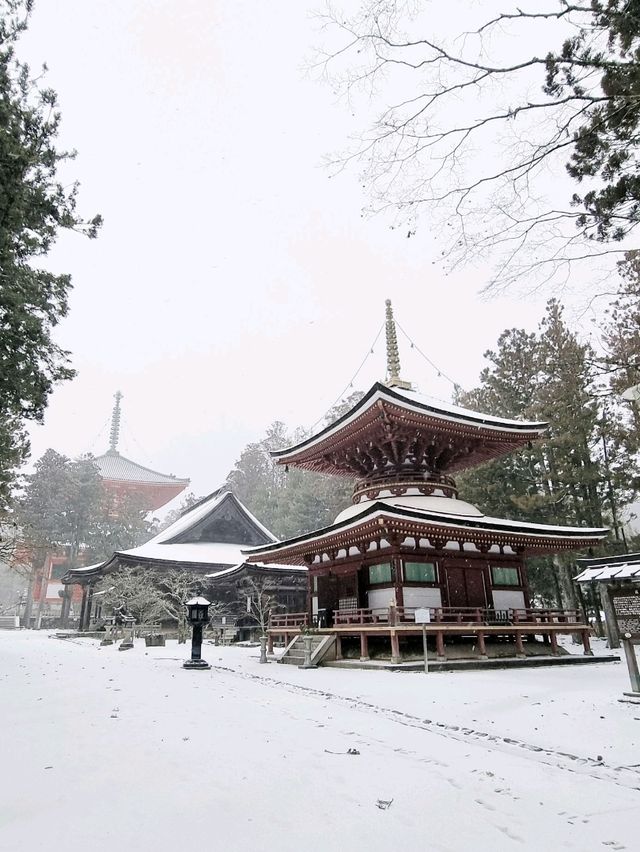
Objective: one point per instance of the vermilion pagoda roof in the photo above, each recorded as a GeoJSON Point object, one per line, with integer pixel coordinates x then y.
{"type": "Point", "coordinates": [118, 468]}
{"type": "Point", "coordinates": [443, 438]}
{"type": "Point", "coordinates": [381, 520]}
{"type": "Point", "coordinates": [123, 475]}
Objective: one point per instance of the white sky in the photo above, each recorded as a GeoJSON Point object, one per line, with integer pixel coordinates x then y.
{"type": "Point", "coordinates": [233, 282]}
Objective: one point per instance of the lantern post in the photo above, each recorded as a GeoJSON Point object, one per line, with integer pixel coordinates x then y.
{"type": "Point", "coordinates": [197, 616]}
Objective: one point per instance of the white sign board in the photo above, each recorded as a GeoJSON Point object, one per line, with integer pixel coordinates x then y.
{"type": "Point", "coordinates": [423, 616]}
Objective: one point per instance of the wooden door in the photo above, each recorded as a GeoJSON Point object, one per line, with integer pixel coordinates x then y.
{"type": "Point", "coordinates": [465, 586]}
{"type": "Point", "coordinates": [328, 597]}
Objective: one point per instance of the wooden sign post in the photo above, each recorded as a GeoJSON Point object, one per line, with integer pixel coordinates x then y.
{"type": "Point", "coordinates": [626, 605]}
{"type": "Point", "coordinates": [423, 617]}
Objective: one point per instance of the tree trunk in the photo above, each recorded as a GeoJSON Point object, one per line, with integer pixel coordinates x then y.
{"type": "Point", "coordinates": [28, 605]}
{"type": "Point", "coordinates": [569, 595]}
{"type": "Point", "coordinates": [43, 597]}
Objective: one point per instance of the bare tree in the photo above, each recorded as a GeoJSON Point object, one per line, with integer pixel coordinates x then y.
{"type": "Point", "coordinates": [259, 596]}
{"type": "Point", "coordinates": [489, 118]}
{"type": "Point", "coordinates": [176, 587]}
{"type": "Point", "coordinates": [134, 590]}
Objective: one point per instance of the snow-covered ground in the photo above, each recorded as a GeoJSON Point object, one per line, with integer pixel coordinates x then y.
{"type": "Point", "coordinates": [107, 749]}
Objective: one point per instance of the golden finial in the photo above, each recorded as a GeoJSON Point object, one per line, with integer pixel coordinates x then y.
{"type": "Point", "coordinates": [393, 357]}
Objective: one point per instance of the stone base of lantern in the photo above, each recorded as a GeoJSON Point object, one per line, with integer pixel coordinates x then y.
{"type": "Point", "coordinates": [196, 664]}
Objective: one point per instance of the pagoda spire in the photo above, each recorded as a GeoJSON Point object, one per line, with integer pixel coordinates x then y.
{"type": "Point", "coordinates": [393, 357]}
{"type": "Point", "coordinates": [114, 434]}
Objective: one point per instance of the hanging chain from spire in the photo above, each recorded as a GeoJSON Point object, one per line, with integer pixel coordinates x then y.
{"type": "Point", "coordinates": [114, 434]}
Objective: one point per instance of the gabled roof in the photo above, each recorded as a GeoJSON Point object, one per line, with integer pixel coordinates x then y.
{"type": "Point", "coordinates": [378, 518]}
{"type": "Point", "coordinates": [219, 518]}
{"type": "Point", "coordinates": [480, 436]}
{"type": "Point", "coordinates": [115, 467]}
{"type": "Point", "coordinates": [209, 535]}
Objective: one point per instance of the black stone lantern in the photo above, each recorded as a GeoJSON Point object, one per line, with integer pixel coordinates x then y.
{"type": "Point", "coordinates": [197, 616]}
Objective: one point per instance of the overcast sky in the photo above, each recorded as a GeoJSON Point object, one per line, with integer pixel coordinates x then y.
{"type": "Point", "coordinates": [234, 282]}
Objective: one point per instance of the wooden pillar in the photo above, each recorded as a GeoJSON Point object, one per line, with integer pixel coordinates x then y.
{"type": "Point", "coordinates": [364, 647]}
{"type": "Point", "coordinates": [397, 579]}
{"type": "Point", "coordinates": [338, 647]}
{"type": "Point", "coordinates": [395, 647]}
{"type": "Point", "coordinates": [83, 607]}
{"type": "Point", "coordinates": [585, 643]}
{"type": "Point", "coordinates": [309, 599]}
{"type": "Point", "coordinates": [270, 643]}
{"type": "Point", "coordinates": [482, 649]}
{"type": "Point", "coordinates": [610, 622]}
{"type": "Point", "coordinates": [66, 606]}
{"type": "Point", "coordinates": [519, 646]}
{"type": "Point", "coordinates": [89, 608]}
{"type": "Point", "coordinates": [553, 638]}
{"type": "Point", "coordinates": [440, 651]}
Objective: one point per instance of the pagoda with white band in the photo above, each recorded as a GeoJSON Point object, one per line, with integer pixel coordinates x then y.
{"type": "Point", "coordinates": [408, 541]}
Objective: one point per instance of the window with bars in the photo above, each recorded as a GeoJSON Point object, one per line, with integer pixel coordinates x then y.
{"type": "Point", "coordinates": [504, 576]}
{"type": "Point", "coordinates": [380, 573]}
{"type": "Point", "coordinates": [419, 572]}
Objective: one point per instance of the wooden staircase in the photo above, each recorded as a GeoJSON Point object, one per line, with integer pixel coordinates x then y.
{"type": "Point", "coordinates": [323, 647]}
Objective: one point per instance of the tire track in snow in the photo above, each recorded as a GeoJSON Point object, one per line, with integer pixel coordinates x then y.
{"type": "Point", "coordinates": [623, 776]}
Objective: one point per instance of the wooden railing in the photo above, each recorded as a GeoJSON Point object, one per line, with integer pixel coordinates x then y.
{"type": "Point", "coordinates": [545, 616]}
{"type": "Point", "coordinates": [358, 616]}
{"type": "Point", "coordinates": [456, 615]}
{"type": "Point", "coordinates": [438, 615]}
{"type": "Point", "coordinates": [288, 621]}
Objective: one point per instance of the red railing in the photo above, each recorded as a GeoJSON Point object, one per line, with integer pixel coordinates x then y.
{"type": "Point", "coordinates": [456, 615]}
{"type": "Point", "coordinates": [438, 615]}
{"type": "Point", "coordinates": [288, 621]}
{"type": "Point", "coordinates": [357, 616]}
{"type": "Point", "coordinates": [545, 616]}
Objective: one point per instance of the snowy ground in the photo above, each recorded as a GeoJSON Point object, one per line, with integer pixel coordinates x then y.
{"type": "Point", "coordinates": [107, 749]}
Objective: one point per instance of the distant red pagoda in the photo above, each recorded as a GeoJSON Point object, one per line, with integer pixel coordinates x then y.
{"type": "Point", "coordinates": [121, 476]}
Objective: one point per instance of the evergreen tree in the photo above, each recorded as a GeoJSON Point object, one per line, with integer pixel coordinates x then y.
{"type": "Point", "coordinates": [289, 502]}
{"type": "Point", "coordinates": [65, 506]}
{"type": "Point", "coordinates": [581, 474]}
{"type": "Point", "coordinates": [34, 206]}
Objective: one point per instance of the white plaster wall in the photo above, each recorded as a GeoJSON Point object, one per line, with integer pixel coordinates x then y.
{"type": "Point", "coordinates": [415, 596]}
{"type": "Point", "coordinates": [380, 598]}
{"type": "Point", "coordinates": [507, 599]}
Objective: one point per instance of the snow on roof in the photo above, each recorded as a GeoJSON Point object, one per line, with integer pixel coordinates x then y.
{"type": "Point", "coordinates": [381, 509]}
{"type": "Point", "coordinates": [266, 566]}
{"type": "Point", "coordinates": [86, 568]}
{"type": "Point", "coordinates": [609, 572]}
{"type": "Point", "coordinates": [161, 548]}
{"type": "Point", "coordinates": [112, 465]}
{"type": "Point", "coordinates": [415, 401]}
{"type": "Point", "coordinates": [200, 552]}
{"type": "Point", "coordinates": [194, 515]}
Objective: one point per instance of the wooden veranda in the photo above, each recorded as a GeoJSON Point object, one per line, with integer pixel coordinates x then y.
{"type": "Point", "coordinates": [476, 624]}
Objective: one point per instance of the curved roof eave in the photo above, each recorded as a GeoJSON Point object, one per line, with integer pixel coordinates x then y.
{"type": "Point", "coordinates": [379, 510]}
{"type": "Point", "coordinates": [416, 402]}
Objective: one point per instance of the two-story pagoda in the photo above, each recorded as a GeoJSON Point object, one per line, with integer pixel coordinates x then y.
{"type": "Point", "coordinates": [408, 541]}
